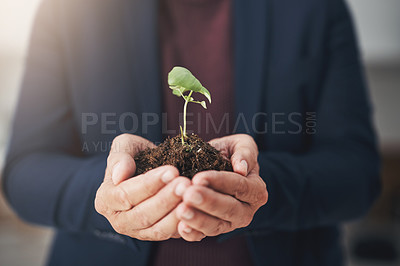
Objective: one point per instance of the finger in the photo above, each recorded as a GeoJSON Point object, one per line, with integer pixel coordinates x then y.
{"type": "Point", "coordinates": [241, 149]}
{"type": "Point", "coordinates": [146, 185]}
{"type": "Point", "coordinates": [222, 206]}
{"type": "Point", "coordinates": [223, 145]}
{"type": "Point", "coordinates": [240, 166]}
{"type": "Point", "coordinates": [120, 162]}
{"type": "Point", "coordinates": [176, 235]}
{"type": "Point", "coordinates": [135, 190]}
{"type": "Point", "coordinates": [250, 189]}
{"type": "Point", "coordinates": [204, 223]}
{"type": "Point", "coordinates": [120, 166]}
{"type": "Point", "coordinates": [188, 233]}
{"type": "Point", "coordinates": [164, 229]}
{"type": "Point", "coordinates": [152, 210]}
{"type": "Point", "coordinates": [244, 153]}
{"type": "Point", "coordinates": [110, 199]}
{"type": "Point", "coordinates": [131, 144]}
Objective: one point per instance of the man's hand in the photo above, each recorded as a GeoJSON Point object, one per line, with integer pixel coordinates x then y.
{"type": "Point", "coordinates": [142, 207]}
{"type": "Point", "coordinates": [220, 202]}
{"type": "Point", "coordinates": [241, 149]}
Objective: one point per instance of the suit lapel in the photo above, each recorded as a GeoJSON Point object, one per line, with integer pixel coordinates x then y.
{"type": "Point", "coordinates": [251, 33]}
{"type": "Point", "coordinates": [250, 42]}
{"type": "Point", "coordinates": [141, 18]}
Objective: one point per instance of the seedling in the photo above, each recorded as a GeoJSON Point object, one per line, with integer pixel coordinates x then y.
{"type": "Point", "coordinates": [188, 153]}
{"type": "Point", "coordinates": [182, 81]}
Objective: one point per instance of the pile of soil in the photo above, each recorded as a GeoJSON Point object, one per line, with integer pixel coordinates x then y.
{"type": "Point", "coordinates": [193, 157]}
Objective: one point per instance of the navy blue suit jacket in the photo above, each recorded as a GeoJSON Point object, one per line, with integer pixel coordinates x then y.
{"type": "Point", "coordinates": [94, 58]}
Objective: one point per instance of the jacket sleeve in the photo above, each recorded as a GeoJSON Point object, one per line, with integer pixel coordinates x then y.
{"type": "Point", "coordinates": [337, 179]}
{"type": "Point", "coordinates": [47, 179]}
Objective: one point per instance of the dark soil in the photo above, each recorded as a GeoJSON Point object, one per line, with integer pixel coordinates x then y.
{"type": "Point", "coordinates": [193, 157]}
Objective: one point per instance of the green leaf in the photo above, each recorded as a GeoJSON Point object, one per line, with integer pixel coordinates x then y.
{"type": "Point", "coordinates": [206, 93]}
{"type": "Point", "coordinates": [182, 80]}
{"type": "Point", "coordinates": [176, 91]}
{"type": "Point", "coordinates": [203, 103]}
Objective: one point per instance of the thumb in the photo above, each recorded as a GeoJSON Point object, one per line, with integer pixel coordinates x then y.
{"type": "Point", "coordinates": [240, 166]}
{"type": "Point", "coordinates": [123, 168]}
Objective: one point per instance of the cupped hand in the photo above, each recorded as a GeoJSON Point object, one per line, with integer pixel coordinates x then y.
{"type": "Point", "coordinates": [220, 202]}
{"type": "Point", "coordinates": [143, 207]}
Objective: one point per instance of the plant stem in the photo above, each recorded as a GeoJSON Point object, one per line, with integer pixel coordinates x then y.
{"type": "Point", "coordinates": [184, 116]}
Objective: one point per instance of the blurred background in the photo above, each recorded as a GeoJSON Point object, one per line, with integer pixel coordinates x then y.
{"type": "Point", "coordinates": [374, 240]}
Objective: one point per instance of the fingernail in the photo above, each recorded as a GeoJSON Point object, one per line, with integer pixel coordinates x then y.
{"type": "Point", "coordinates": [196, 198]}
{"type": "Point", "coordinates": [187, 230]}
{"type": "Point", "coordinates": [188, 214]}
{"type": "Point", "coordinates": [116, 173]}
{"type": "Point", "coordinates": [167, 176]}
{"type": "Point", "coordinates": [180, 189]}
{"type": "Point", "coordinates": [243, 164]}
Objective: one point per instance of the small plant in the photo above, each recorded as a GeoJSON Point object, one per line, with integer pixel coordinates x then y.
{"type": "Point", "coordinates": [188, 153]}
{"type": "Point", "coordinates": [182, 81]}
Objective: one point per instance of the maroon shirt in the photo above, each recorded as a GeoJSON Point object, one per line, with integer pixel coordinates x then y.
{"type": "Point", "coordinates": [197, 34]}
